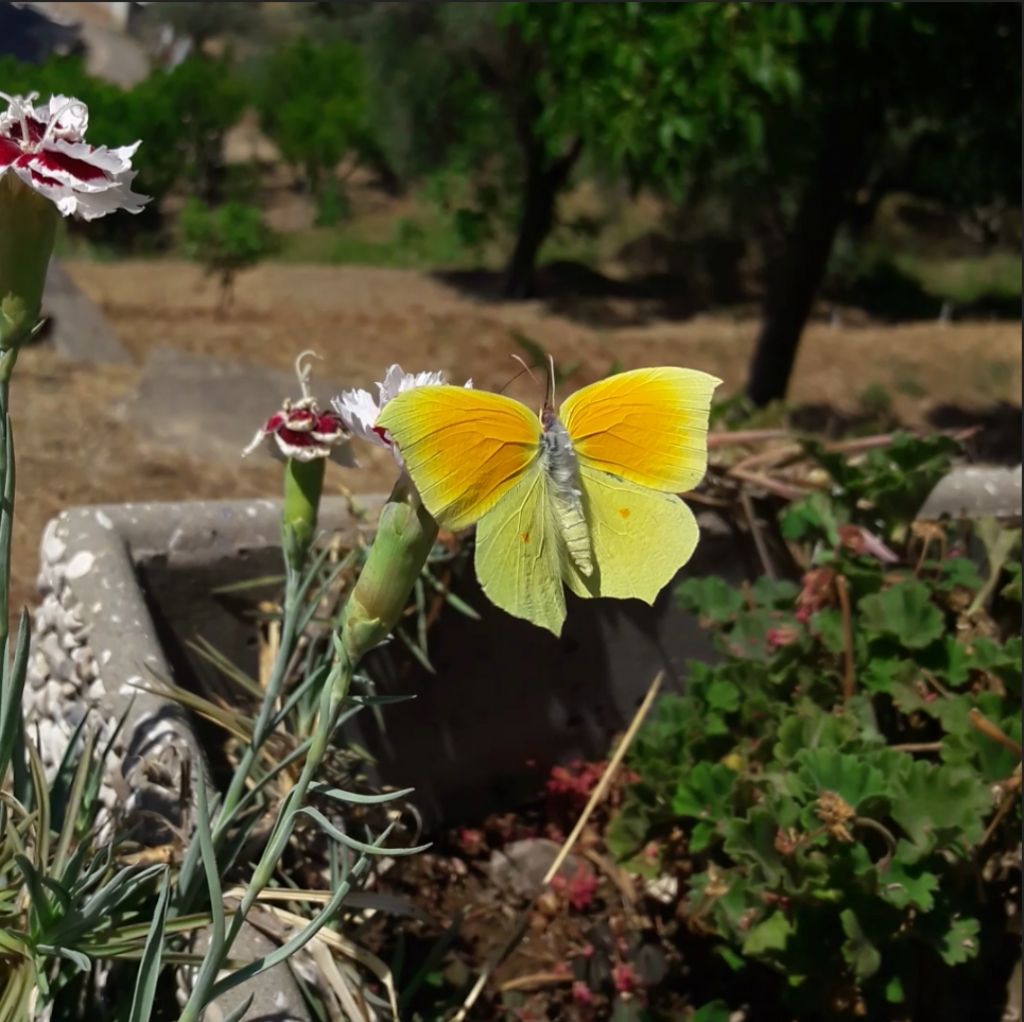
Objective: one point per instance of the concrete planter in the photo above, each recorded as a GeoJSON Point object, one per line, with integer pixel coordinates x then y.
{"type": "Point", "coordinates": [126, 587]}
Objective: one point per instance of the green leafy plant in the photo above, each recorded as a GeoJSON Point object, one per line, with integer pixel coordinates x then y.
{"type": "Point", "coordinates": [225, 239]}
{"type": "Point", "coordinates": [312, 103]}
{"type": "Point", "coordinates": [839, 795]}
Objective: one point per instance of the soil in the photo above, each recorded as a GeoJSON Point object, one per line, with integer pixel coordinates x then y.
{"type": "Point", "coordinates": [74, 447]}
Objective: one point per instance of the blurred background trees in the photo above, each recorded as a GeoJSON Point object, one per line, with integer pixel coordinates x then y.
{"type": "Point", "coordinates": [792, 154]}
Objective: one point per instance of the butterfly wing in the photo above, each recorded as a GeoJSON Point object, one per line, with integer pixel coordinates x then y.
{"type": "Point", "coordinates": [648, 426]}
{"type": "Point", "coordinates": [465, 449]}
{"type": "Point", "coordinates": [518, 553]}
{"type": "Point", "coordinates": [640, 538]}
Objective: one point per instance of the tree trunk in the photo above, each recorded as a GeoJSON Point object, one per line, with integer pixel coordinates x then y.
{"type": "Point", "coordinates": [841, 168]}
{"type": "Point", "coordinates": [545, 178]}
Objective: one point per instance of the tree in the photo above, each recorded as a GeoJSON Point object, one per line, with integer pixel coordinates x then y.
{"type": "Point", "coordinates": [885, 89]}
{"type": "Point", "coordinates": [796, 112]}
{"type": "Point", "coordinates": [312, 103]}
{"type": "Point", "coordinates": [225, 239]}
{"type": "Point", "coordinates": [458, 88]}
{"type": "Point", "coordinates": [670, 97]}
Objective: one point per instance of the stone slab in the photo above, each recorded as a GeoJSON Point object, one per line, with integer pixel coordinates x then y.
{"type": "Point", "coordinates": [206, 407]}
{"type": "Point", "coordinates": [77, 327]}
{"type": "Point", "coordinates": [976, 491]}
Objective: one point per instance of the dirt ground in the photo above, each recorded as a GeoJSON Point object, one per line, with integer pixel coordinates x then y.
{"type": "Point", "coordinates": [74, 447]}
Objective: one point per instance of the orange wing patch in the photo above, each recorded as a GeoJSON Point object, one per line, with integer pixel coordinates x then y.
{"type": "Point", "coordinates": [648, 426]}
{"type": "Point", "coordinates": [464, 448]}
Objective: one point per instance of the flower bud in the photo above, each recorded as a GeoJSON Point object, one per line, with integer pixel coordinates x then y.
{"type": "Point", "coordinates": [28, 225]}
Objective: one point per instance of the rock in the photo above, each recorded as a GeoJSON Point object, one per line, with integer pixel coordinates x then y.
{"type": "Point", "coordinates": [280, 1000]}
{"type": "Point", "coordinates": [78, 329]}
{"type": "Point", "coordinates": [522, 865]}
{"type": "Point", "coordinates": [976, 491]}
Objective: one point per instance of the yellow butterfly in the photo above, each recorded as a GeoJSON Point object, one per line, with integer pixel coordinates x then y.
{"type": "Point", "coordinates": [586, 496]}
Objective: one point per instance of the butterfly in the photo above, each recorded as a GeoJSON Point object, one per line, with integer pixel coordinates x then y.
{"type": "Point", "coordinates": [586, 496]}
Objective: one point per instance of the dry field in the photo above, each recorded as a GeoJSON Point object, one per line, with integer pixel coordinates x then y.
{"type": "Point", "coordinates": [74, 448]}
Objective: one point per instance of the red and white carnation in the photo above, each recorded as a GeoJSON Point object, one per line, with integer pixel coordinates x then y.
{"type": "Point", "coordinates": [44, 147]}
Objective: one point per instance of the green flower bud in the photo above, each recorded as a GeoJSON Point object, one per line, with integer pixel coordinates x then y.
{"type": "Point", "coordinates": [28, 226]}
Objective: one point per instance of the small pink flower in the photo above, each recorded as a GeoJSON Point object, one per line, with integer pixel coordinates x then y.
{"type": "Point", "coordinates": [300, 430]}
{"type": "Point", "coordinates": [624, 978]}
{"type": "Point", "coordinates": [582, 994]}
{"type": "Point", "coordinates": [784, 635]}
{"type": "Point", "coordinates": [44, 146]}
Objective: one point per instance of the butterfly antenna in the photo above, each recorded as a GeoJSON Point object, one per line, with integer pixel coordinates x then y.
{"type": "Point", "coordinates": [526, 369]}
{"type": "Point", "coordinates": [551, 382]}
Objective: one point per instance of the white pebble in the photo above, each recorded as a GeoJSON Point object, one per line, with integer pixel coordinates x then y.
{"type": "Point", "coordinates": [79, 565]}
{"type": "Point", "coordinates": [53, 547]}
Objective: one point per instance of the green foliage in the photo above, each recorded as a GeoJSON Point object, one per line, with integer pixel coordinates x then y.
{"type": "Point", "coordinates": [225, 239]}
{"type": "Point", "coordinates": [653, 89]}
{"type": "Point", "coordinates": [312, 103]}
{"type": "Point", "coordinates": [881, 491]}
{"type": "Point", "coordinates": [836, 828]}
{"type": "Point", "coordinates": [181, 115]}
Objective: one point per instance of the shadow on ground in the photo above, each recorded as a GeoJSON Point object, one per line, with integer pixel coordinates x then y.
{"type": "Point", "coordinates": [997, 440]}
{"type": "Point", "coordinates": [577, 292]}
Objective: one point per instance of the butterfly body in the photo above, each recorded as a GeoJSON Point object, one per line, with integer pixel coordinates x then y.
{"type": "Point", "coordinates": [559, 464]}
{"type": "Point", "coordinates": [585, 497]}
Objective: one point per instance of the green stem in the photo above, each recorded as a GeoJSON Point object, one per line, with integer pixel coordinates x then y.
{"type": "Point", "coordinates": [7, 480]}
{"type": "Point", "coordinates": [303, 484]}
{"type": "Point", "coordinates": [404, 539]}
{"type": "Point", "coordinates": [331, 702]}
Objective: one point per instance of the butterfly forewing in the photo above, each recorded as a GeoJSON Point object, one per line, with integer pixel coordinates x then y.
{"type": "Point", "coordinates": [464, 448]}
{"type": "Point", "coordinates": [648, 426]}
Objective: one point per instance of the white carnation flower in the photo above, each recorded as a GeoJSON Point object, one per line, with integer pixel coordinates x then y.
{"type": "Point", "coordinates": [359, 409]}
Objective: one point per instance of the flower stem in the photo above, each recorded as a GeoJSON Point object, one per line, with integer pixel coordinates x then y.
{"type": "Point", "coordinates": [404, 539]}
{"type": "Point", "coordinates": [303, 484]}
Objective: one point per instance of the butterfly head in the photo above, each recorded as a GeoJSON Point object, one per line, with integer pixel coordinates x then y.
{"type": "Point", "coordinates": [548, 415]}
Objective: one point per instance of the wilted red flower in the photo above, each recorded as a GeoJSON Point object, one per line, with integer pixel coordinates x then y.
{"type": "Point", "coordinates": [300, 430]}
{"type": "Point", "coordinates": [817, 592]}
{"type": "Point", "coordinates": [575, 782]}
{"type": "Point", "coordinates": [582, 994]}
{"type": "Point", "coordinates": [624, 978]}
{"type": "Point", "coordinates": [860, 541]}
{"type": "Point", "coordinates": [471, 841]}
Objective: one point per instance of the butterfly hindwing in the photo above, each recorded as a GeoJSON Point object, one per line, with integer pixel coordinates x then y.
{"type": "Point", "coordinates": [518, 554]}
{"type": "Point", "coordinates": [464, 448]}
{"type": "Point", "coordinates": [640, 537]}
{"type": "Point", "coordinates": [647, 425]}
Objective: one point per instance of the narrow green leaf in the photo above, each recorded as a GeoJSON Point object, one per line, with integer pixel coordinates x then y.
{"type": "Point", "coordinates": [359, 846]}
{"type": "Point", "coordinates": [357, 799]}
{"type": "Point", "coordinates": [149, 967]}
{"type": "Point", "coordinates": [72, 807]}
{"type": "Point", "coordinates": [211, 966]}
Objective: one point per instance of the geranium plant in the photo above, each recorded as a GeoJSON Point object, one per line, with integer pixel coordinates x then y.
{"type": "Point", "coordinates": [837, 801]}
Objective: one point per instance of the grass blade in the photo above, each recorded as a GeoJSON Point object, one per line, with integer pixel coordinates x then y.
{"type": "Point", "coordinates": [149, 967]}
